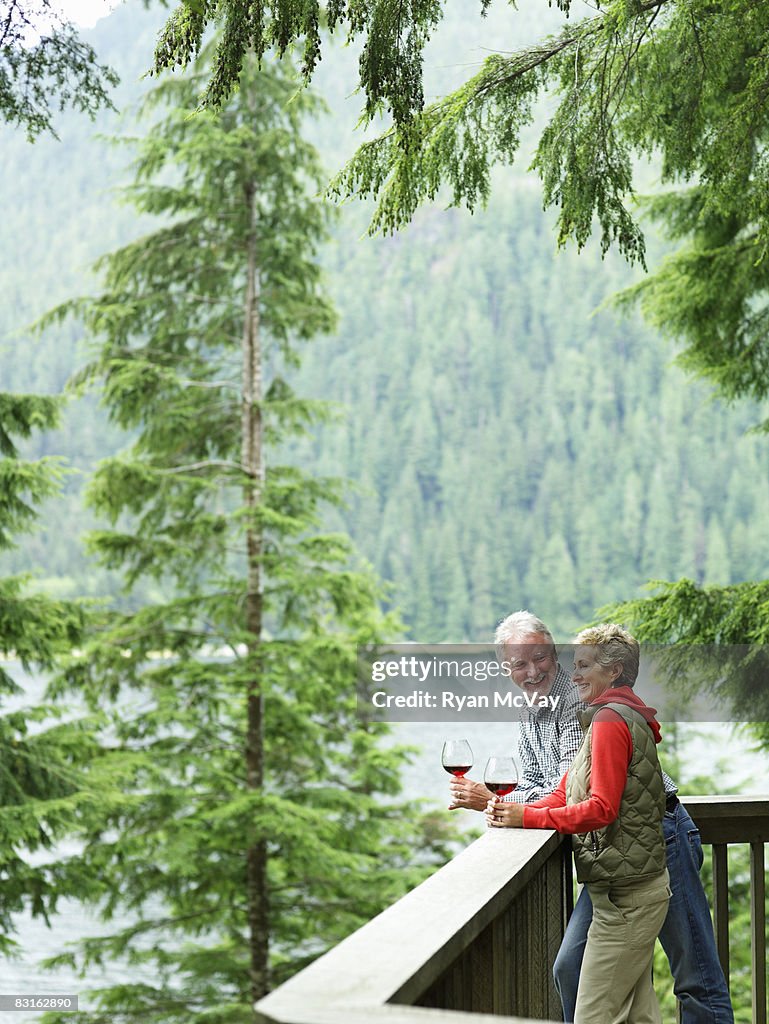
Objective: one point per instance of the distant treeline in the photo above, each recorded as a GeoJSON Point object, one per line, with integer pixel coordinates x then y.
{"type": "Point", "coordinates": [507, 448]}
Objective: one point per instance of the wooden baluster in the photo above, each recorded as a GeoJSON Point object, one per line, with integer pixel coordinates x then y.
{"type": "Point", "coordinates": [758, 931]}
{"type": "Point", "coordinates": [721, 905]}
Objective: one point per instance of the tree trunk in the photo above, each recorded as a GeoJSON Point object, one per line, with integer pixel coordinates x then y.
{"type": "Point", "coordinates": [253, 464]}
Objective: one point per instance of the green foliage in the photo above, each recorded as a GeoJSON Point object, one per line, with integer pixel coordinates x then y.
{"type": "Point", "coordinates": [45, 781]}
{"type": "Point", "coordinates": [682, 79]}
{"type": "Point", "coordinates": [391, 61]}
{"type": "Point", "coordinates": [201, 507]}
{"type": "Point", "coordinates": [33, 628]}
{"type": "Point", "coordinates": [21, 414]}
{"type": "Point", "coordinates": [458, 139]}
{"type": "Point", "coordinates": [516, 420]}
{"type": "Point", "coordinates": [44, 64]}
{"type": "Point", "coordinates": [719, 634]}
{"type": "Point", "coordinates": [22, 484]}
{"type": "Point", "coordinates": [442, 332]}
{"type": "Point", "coordinates": [679, 82]}
{"type": "Point", "coordinates": [711, 293]}
{"type": "Point", "coordinates": [686, 613]}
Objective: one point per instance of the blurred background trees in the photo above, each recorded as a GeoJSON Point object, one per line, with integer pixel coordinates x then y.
{"type": "Point", "coordinates": [512, 441]}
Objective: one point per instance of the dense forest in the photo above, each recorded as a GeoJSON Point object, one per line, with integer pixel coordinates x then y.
{"type": "Point", "coordinates": [506, 437]}
{"type": "Point", "coordinates": [507, 444]}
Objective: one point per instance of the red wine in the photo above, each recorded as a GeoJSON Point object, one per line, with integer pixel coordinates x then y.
{"type": "Point", "coordinates": [501, 788]}
{"type": "Point", "coordinates": [457, 769]}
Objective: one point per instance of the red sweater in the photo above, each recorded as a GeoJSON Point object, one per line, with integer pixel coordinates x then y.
{"type": "Point", "coordinates": [612, 748]}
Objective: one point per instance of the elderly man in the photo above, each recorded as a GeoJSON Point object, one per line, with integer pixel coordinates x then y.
{"type": "Point", "coordinates": [549, 739]}
{"type": "Point", "coordinates": [547, 744]}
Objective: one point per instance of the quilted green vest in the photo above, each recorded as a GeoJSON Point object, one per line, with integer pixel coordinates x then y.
{"type": "Point", "coordinates": [632, 847]}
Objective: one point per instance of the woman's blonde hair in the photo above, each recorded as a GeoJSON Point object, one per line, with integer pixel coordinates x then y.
{"type": "Point", "coordinates": [614, 646]}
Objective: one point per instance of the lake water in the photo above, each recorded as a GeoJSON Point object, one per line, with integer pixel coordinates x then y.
{"type": "Point", "coordinates": [712, 749]}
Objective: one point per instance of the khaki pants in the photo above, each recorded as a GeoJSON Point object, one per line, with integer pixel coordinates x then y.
{"type": "Point", "coordinates": [615, 983]}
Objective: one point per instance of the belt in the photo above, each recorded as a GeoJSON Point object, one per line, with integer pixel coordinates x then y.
{"type": "Point", "coordinates": [671, 801]}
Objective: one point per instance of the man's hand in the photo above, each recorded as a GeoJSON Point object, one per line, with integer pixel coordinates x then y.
{"type": "Point", "coordinates": [500, 814]}
{"type": "Point", "coordinates": [469, 795]}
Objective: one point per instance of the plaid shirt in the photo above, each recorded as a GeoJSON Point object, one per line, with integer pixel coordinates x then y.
{"type": "Point", "coordinates": [548, 742]}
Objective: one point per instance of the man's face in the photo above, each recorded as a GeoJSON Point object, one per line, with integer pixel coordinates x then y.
{"type": "Point", "coordinates": [533, 666]}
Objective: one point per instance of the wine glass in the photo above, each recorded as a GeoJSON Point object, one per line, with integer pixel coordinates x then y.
{"type": "Point", "coordinates": [457, 757]}
{"type": "Point", "coordinates": [500, 775]}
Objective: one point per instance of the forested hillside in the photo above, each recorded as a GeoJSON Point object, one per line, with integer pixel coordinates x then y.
{"type": "Point", "coordinates": [507, 447]}
{"type": "Point", "coordinates": [514, 450]}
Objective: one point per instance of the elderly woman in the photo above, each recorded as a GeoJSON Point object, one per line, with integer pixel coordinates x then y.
{"type": "Point", "coordinates": [612, 800]}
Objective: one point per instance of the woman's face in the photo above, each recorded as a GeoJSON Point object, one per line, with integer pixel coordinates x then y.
{"type": "Point", "coordinates": [590, 678]}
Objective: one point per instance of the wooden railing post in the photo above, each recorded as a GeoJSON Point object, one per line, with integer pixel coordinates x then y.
{"type": "Point", "coordinates": [758, 931]}
{"type": "Point", "coordinates": [721, 905]}
{"type": "Point", "coordinates": [737, 819]}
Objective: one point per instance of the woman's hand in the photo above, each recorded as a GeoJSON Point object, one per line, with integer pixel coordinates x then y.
{"type": "Point", "coordinates": [501, 814]}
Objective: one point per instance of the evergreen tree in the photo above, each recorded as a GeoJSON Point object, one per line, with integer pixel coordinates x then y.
{"type": "Point", "coordinates": [482, 606]}
{"type": "Point", "coordinates": [45, 785]}
{"type": "Point", "coordinates": [706, 119]}
{"type": "Point", "coordinates": [691, 558]}
{"type": "Point", "coordinates": [44, 63]}
{"type": "Point", "coordinates": [719, 637]}
{"type": "Point", "coordinates": [455, 600]}
{"type": "Point", "coordinates": [716, 554]}
{"type": "Point", "coordinates": [529, 346]}
{"type": "Point", "coordinates": [589, 533]}
{"type": "Point", "coordinates": [680, 80]}
{"type": "Point", "coordinates": [661, 546]}
{"type": "Point", "coordinates": [551, 583]}
{"type": "Point", "coordinates": [259, 824]}
{"type": "Point", "coordinates": [632, 514]}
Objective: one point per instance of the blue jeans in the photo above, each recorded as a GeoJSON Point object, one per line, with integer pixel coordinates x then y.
{"type": "Point", "coordinates": [686, 936]}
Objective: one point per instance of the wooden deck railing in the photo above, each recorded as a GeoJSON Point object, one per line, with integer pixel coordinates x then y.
{"type": "Point", "coordinates": [480, 935]}
{"type": "Point", "coordinates": [723, 820]}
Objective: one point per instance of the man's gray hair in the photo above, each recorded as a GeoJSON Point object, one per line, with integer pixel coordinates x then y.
{"type": "Point", "coordinates": [515, 628]}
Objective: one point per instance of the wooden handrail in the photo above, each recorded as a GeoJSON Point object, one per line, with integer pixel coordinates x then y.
{"type": "Point", "coordinates": [730, 819]}
{"type": "Point", "coordinates": [398, 955]}
{"type": "Point", "coordinates": [481, 933]}
{"type": "Point", "coordinates": [737, 819]}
